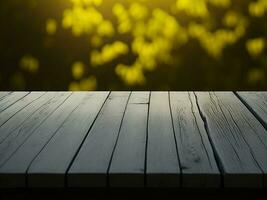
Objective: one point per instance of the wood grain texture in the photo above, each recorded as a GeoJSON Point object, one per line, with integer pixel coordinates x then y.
{"type": "Point", "coordinates": [13, 124]}
{"type": "Point", "coordinates": [11, 99]}
{"type": "Point", "coordinates": [89, 169]}
{"type": "Point", "coordinates": [13, 172]}
{"type": "Point", "coordinates": [18, 106]}
{"type": "Point", "coordinates": [19, 135]}
{"type": "Point", "coordinates": [198, 165]}
{"type": "Point", "coordinates": [4, 94]}
{"type": "Point", "coordinates": [133, 139]}
{"type": "Point", "coordinates": [127, 168]}
{"type": "Point", "coordinates": [48, 169]}
{"type": "Point", "coordinates": [240, 141]}
{"type": "Point", "coordinates": [162, 164]}
{"type": "Point", "coordinates": [256, 102]}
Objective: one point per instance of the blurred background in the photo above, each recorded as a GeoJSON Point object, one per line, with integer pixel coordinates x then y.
{"type": "Point", "coordinates": [133, 44]}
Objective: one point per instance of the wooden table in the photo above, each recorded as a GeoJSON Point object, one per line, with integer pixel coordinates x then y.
{"type": "Point", "coordinates": [133, 139]}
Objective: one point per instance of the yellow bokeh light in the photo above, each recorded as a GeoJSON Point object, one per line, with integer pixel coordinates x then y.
{"type": "Point", "coordinates": [258, 8]}
{"type": "Point", "coordinates": [86, 84]}
{"type": "Point", "coordinates": [29, 63]}
{"type": "Point", "coordinates": [255, 46]}
{"type": "Point", "coordinates": [195, 8]}
{"type": "Point", "coordinates": [108, 53]}
{"type": "Point", "coordinates": [132, 75]}
{"type": "Point", "coordinates": [51, 26]}
{"type": "Point", "coordinates": [150, 33]}
{"type": "Point", "coordinates": [78, 69]}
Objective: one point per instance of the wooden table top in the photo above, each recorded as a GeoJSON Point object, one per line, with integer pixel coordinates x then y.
{"type": "Point", "coordinates": [133, 139]}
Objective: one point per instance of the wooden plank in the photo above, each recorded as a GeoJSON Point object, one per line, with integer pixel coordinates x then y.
{"type": "Point", "coordinates": [198, 164]}
{"type": "Point", "coordinates": [18, 136]}
{"type": "Point", "coordinates": [4, 94]}
{"type": "Point", "coordinates": [256, 102]}
{"type": "Point", "coordinates": [13, 172]}
{"type": "Point", "coordinates": [18, 106]}
{"type": "Point", "coordinates": [162, 162]}
{"type": "Point", "coordinates": [240, 141]}
{"type": "Point", "coordinates": [17, 121]}
{"type": "Point", "coordinates": [89, 169]}
{"type": "Point", "coordinates": [127, 168]}
{"type": "Point", "coordinates": [11, 99]}
{"type": "Point", "coordinates": [48, 169]}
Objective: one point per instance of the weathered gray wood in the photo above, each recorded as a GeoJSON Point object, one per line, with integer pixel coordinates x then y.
{"type": "Point", "coordinates": [18, 136]}
{"type": "Point", "coordinates": [11, 99]}
{"type": "Point", "coordinates": [240, 141]}
{"type": "Point", "coordinates": [17, 120]}
{"type": "Point", "coordinates": [49, 167]}
{"type": "Point", "coordinates": [86, 140]}
{"type": "Point", "coordinates": [162, 162]}
{"type": "Point", "coordinates": [127, 168]}
{"type": "Point", "coordinates": [89, 169]}
{"type": "Point", "coordinates": [4, 94]}
{"type": "Point", "coordinates": [256, 102]}
{"type": "Point", "coordinates": [13, 173]}
{"type": "Point", "coordinates": [18, 106]}
{"type": "Point", "coordinates": [198, 164]}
